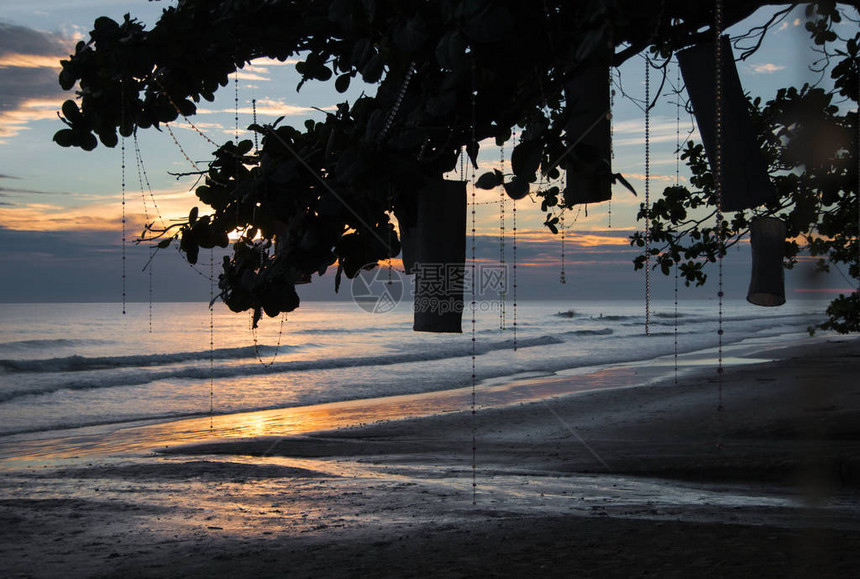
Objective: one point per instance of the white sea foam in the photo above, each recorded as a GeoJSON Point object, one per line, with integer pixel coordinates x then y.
{"type": "Point", "coordinates": [84, 364]}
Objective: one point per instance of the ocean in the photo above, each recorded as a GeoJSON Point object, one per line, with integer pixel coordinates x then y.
{"type": "Point", "coordinates": [65, 366]}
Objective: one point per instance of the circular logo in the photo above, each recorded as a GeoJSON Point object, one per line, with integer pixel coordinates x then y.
{"type": "Point", "coordinates": [377, 290]}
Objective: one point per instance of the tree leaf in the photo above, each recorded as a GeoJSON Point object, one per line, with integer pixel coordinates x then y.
{"type": "Point", "coordinates": [617, 177]}
{"type": "Point", "coordinates": [71, 111]}
{"type": "Point", "coordinates": [341, 84]}
{"type": "Point", "coordinates": [517, 188]}
{"type": "Point", "coordinates": [526, 157]}
{"type": "Point", "coordinates": [372, 71]}
{"type": "Point", "coordinates": [411, 35]}
{"type": "Point", "coordinates": [489, 180]}
{"type": "Point", "coordinates": [65, 137]}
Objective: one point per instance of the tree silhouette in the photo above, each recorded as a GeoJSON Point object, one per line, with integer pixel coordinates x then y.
{"type": "Point", "coordinates": [449, 74]}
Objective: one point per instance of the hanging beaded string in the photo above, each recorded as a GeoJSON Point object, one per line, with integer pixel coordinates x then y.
{"type": "Point", "coordinates": [193, 164]}
{"type": "Point", "coordinates": [677, 184]}
{"type": "Point", "coordinates": [390, 267]}
{"type": "Point", "coordinates": [149, 264]}
{"type": "Point", "coordinates": [514, 250]}
{"type": "Point", "coordinates": [188, 159]}
{"type": "Point", "coordinates": [474, 404]}
{"type": "Point", "coordinates": [561, 277]}
{"type": "Point", "coordinates": [256, 144]}
{"type": "Point", "coordinates": [502, 264]}
{"type": "Point", "coordinates": [143, 180]}
{"type": "Point", "coordinates": [611, 138]}
{"type": "Point", "coordinates": [473, 304]}
{"type": "Point", "coordinates": [514, 255]}
{"type": "Point", "coordinates": [122, 150]}
{"type": "Point", "coordinates": [178, 146]}
{"type": "Point", "coordinates": [718, 190]}
{"type": "Point", "coordinates": [254, 111]}
{"type": "Point", "coordinates": [648, 106]}
{"type": "Point", "coordinates": [236, 134]}
{"type": "Point", "coordinates": [212, 251]}
{"type": "Point", "coordinates": [267, 363]}
{"type": "Point", "coordinates": [142, 169]}
{"type": "Point", "coordinates": [392, 114]}
{"type": "Point", "coordinates": [677, 123]}
{"type": "Point", "coordinates": [236, 106]}
{"type": "Point", "coordinates": [196, 168]}
{"type": "Point", "coordinates": [211, 335]}
{"type": "Point", "coordinates": [647, 195]}
{"type": "Point", "coordinates": [185, 118]}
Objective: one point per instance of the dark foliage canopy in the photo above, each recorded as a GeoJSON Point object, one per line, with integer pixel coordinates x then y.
{"type": "Point", "coordinates": [449, 73]}
{"type": "Point", "coordinates": [809, 136]}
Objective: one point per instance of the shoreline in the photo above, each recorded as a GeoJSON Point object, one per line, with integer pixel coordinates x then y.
{"type": "Point", "coordinates": [643, 481]}
{"type": "Point", "coordinates": [94, 442]}
{"type": "Point", "coordinates": [720, 432]}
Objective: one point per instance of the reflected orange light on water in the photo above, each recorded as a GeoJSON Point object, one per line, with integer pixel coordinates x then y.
{"type": "Point", "coordinates": [18, 451]}
{"type": "Point", "coordinates": [144, 438]}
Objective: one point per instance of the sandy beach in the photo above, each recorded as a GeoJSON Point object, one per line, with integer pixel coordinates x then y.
{"type": "Point", "coordinates": [752, 475]}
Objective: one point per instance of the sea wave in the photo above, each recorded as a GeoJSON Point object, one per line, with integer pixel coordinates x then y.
{"type": "Point", "coordinates": [325, 331]}
{"type": "Point", "coordinates": [43, 344]}
{"type": "Point", "coordinates": [616, 318]}
{"type": "Point", "coordinates": [753, 318]}
{"type": "Point", "coordinates": [670, 315]}
{"type": "Point", "coordinates": [600, 332]}
{"type": "Point", "coordinates": [83, 363]}
{"type": "Point", "coordinates": [135, 376]}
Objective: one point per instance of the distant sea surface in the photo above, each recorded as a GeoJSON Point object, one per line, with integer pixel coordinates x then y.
{"type": "Point", "coordinates": [71, 365]}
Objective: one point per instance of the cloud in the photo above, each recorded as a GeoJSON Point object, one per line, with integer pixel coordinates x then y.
{"type": "Point", "coordinates": [29, 63]}
{"type": "Point", "coordinates": [272, 108]}
{"type": "Point", "coordinates": [16, 120]}
{"type": "Point", "coordinates": [7, 190]}
{"type": "Point", "coordinates": [103, 215]}
{"type": "Point", "coordinates": [259, 69]}
{"type": "Point", "coordinates": [22, 40]}
{"type": "Point", "coordinates": [767, 68]}
{"type": "Point", "coordinates": [202, 126]}
{"type": "Point", "coordinates": [263, 62]}
{"type": "Point", "coordinates": [641, 176]}
{"type": "Point", "coordinates": [256, 75]}
{"type": "Point", "coordinates": [662, 130]}
{"type": "Point", "coordinates": [51, 266]}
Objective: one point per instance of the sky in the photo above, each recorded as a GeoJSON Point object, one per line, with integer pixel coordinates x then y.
{"type": "Point", "coordinates": [61, 209]}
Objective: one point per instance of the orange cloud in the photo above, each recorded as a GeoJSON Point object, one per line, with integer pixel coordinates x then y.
{"type": "Point", "coordinates": [269, 107]}
{"type": "Point", "coordinates": [575, 239]}
{"type": "Point", "coordinates": [16, 120]}
{"type": "Point", "coordinates": [641, 177]}
{"type": "Point", "coordinates": [592, 240]}
{"type": "Point", "coordinates": [103, 215]}
{"type": "Point", "coordinates": [246, 75]}
{"type": "Point", "coordinates": [29, 61]}
{"type": "Point", "coordinates": [766, 68]}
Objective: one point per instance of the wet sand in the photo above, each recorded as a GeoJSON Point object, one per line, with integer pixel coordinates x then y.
{"type": "Point", "coordinates": [756, 477]}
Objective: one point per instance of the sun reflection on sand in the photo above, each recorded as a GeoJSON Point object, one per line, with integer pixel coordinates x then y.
{"type": "Point", "coordinates": [134, 439]}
